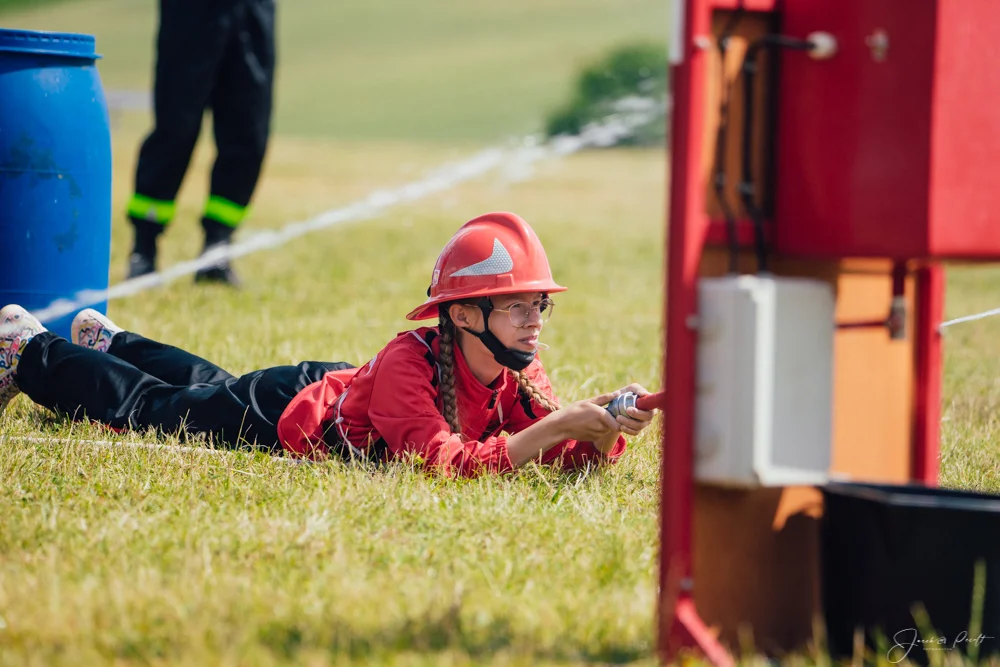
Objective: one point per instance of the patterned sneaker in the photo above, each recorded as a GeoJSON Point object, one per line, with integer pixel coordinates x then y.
{"type": "Point", "coordinates": [93, 330]}
{"type": "Point", "coordinates": [17, 327]}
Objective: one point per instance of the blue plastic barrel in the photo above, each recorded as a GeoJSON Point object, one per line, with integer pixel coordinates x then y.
{"type": "Point", "coordinates": [55, 171]}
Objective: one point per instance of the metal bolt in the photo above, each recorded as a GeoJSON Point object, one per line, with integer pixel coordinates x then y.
{"type": "Point", "coordinates": [878, 42]}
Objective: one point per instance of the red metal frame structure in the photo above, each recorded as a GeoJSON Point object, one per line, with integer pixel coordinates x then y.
{"type": "Point", "coordinates": [679, 623]}
{"type": "Point", "coordinates": [689, 229]}
{"type": "Point", "coordinates": [927, 408]}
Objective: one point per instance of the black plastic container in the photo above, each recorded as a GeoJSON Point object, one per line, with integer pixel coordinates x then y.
{"type": "Point", "coordinates": [887, 547]}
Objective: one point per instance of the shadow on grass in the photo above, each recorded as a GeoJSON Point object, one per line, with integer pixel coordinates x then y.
{"type": "Point", "coordinates": [437, 633]}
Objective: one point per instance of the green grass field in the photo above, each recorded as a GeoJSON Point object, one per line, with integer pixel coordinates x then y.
{"type": "Point", "coordinates": [134, 557]}
{"type": "Point", "coordinates": [392, 69]}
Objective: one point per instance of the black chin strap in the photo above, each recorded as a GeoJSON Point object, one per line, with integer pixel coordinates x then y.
{"type": "Point", "coordinates": [515, 360]}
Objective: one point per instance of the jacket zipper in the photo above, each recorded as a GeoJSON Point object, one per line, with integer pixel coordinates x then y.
{"type": "Point", "coordinates": [493, 402]}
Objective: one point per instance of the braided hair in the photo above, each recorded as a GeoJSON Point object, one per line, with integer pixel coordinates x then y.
{"type": "Point", "coordinates": [449, 399]}
{"type": "Point", "coordinates": [530, 390]}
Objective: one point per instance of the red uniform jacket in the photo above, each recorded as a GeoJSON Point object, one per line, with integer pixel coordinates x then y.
{"type": "Point", "coordinates": [394, 397]}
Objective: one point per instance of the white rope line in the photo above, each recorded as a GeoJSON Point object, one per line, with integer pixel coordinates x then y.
{"type": "Point", "coordinates": [514, 162]}
{"type": "Point", "coordinates": [970, 318]}
{"type": "Point", "coordinates": [110, 444]}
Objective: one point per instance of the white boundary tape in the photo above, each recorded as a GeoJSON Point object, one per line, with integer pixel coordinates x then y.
{"type": "Point", "coordinates": [513, 161]}
{"type": "Point", "coordinates": [970, 318]}
{"type": "Point", "coordinates": [109, 444]}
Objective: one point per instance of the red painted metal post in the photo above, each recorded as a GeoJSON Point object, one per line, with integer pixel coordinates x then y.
{"type": "Point", "coordinates": [679, 625]}
{"type": "Point", "coordinates": [927, 408]}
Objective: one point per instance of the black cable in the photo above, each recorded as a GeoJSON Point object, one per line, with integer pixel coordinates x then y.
{"type": "Point", "coordinates": [719, 176]}
{"type": "Point", "coordinates": [748, 189]}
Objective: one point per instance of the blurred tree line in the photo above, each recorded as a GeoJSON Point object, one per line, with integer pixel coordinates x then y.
{"type": "Point", "coordinates": [629, 80]}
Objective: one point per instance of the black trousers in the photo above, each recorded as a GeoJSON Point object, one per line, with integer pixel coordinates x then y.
{"type": "Point", "coordinates": [216, 54]}
{"type": "Point", "coordinates": [140, 383]}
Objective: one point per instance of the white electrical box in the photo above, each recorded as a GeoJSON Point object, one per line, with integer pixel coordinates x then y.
{"type": "Point", "coordinates": [764, 381]}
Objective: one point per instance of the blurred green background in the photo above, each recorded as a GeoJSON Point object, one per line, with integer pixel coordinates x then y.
{"type": "Point", "coordinates": [434, 70]}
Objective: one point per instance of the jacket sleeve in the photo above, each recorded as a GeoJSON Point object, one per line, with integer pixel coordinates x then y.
{"type": "Point", "coordinates": [569, 454]}
{"type": "Point", "coordinates": [404, 411]}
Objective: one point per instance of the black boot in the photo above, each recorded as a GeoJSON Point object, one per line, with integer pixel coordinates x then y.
{"type": "Point", "coordinates": [143, 257]}
{"type": "Point", "coordinates": [217, 235]}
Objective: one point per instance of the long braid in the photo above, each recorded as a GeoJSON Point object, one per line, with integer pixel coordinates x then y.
{"type": "Point", "coordinates": [531, 390]}
{"type": "Point", "coordinates": [449, 399]}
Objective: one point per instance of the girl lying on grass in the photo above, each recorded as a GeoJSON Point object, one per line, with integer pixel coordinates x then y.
{"type": "Point", "coordinates": [443, 393]}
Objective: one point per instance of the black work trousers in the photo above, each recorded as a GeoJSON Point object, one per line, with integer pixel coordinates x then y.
{"type": "Point", "coordinates": [218, 55]}
{"type": "Point", "coordinates": [140, 383]}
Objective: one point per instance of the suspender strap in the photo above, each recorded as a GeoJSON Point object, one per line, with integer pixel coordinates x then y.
{"type": "Point", "coordinates": [429, 355]}
{"type": "Point", "coordinates": [428, 339]}
{"type": "Point", "coordinates": [378, 450]}
{"type": "Point", "coordinates": [375, 452]}
{"type": "Point", "coordinates": [526, 404]}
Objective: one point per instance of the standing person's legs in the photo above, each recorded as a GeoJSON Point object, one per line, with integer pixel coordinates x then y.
{"type": "Point", "coordinates": [190, 45]}
{"type": "Point", "coordinates": [85, 383]}
{"type": "Point", "coordinates": [241, 114]}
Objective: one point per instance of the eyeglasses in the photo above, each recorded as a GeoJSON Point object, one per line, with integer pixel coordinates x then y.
{"type": "Point", "coordinates": [520, 312]}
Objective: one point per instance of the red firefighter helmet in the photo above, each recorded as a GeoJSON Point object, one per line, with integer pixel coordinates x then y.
{"type": "Point", "coordinates": [496, 253]}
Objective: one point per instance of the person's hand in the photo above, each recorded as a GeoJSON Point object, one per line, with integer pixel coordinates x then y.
{"type": "Point", "coordinates": [635, 420]}
{"type": "Point", "coordinates": [588, 420]}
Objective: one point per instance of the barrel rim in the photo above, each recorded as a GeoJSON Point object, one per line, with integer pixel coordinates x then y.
{"type": "Point", "coordinates": [41, 42]}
